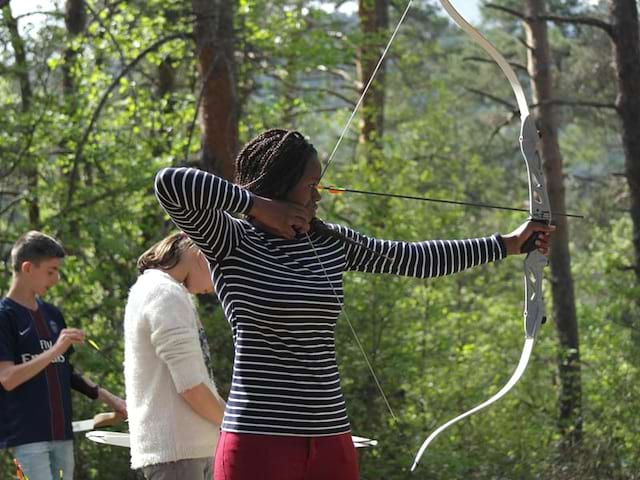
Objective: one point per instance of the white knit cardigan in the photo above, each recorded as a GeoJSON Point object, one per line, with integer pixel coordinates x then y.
{"type": "Point", "coordinates": [163, 357]}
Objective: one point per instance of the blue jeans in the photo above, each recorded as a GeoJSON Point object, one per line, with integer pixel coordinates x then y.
{"type": "Point", "coordinates": [46, 460]}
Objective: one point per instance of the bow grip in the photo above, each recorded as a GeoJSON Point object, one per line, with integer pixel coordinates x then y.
{"type": "Point", "coordinates": [530, 244]}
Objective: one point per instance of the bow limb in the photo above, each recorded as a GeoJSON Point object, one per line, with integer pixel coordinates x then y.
{"type": "Point", "coordinates": [539, 211]}
{"type": "Point", "coordinates": [539, 204]}
{"type": "Point", "coordinates": [522, 365]}
{"type": "Point", "coordinates": [493, 52]}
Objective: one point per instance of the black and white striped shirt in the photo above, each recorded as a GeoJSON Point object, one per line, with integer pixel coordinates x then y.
{"type": "Point", "coordinates": [282, 299]}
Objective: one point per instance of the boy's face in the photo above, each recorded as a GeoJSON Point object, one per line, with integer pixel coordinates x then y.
{"type": "Point", "coordinates": [41, 276]}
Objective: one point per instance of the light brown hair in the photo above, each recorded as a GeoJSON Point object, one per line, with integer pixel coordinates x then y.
{"type": "Point", "coordinates": [165, 254]}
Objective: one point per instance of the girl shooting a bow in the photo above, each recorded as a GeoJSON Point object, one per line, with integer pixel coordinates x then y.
{"type": "Point", "coordinates": [278, 275]}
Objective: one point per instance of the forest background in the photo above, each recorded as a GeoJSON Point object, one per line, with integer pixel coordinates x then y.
{"type": "Point", "coordinates": [96, 96]}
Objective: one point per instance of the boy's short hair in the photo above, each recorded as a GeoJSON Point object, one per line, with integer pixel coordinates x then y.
{"type": "Point", "coordinates": [35, 247]}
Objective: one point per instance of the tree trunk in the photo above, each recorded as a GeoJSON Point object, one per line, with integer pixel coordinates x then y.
{"type": "Point", "coordinates": [166, 80]}
{"type": "Point", "coordinates": [215, 42]}
{"type": "Point", "coordinates": [75, 19]}
{"type": "Point", "coordinates": [374, 24]}
{"type": "Point", "coordinates": [626, 51]}
{"type": "Point", "coordinates": [564, 308]}
{"type": "Point", "coordinates": [29, 166]}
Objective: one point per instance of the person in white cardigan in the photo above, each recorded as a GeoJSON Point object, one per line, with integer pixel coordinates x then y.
{"type": "Point", "coordinates": [174, 408]}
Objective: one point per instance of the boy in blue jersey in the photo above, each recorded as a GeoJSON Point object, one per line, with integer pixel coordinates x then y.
{"type": "Point", "coordinates": [36, 377]}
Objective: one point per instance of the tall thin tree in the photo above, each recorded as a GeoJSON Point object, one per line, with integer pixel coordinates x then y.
{"type": "Point", "coordinates": [215, 43]}
{"type": "Point", "coordinates": [28, 167]}
{"type": "Point", "coordinates": [374, 24]}
{"type": "Point", "coordinates": [623, 28]}
{"type": "Point", "coordinates": [626, 50]}
{"type": "Point", "coordinates": [564, 306]}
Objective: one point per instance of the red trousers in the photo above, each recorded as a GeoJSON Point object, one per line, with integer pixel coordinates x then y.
{"type": "Point", "coordinates": [242, 456]}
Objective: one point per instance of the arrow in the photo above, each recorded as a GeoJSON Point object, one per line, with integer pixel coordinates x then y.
{"type": "Point", "coordinates": [333, 190]}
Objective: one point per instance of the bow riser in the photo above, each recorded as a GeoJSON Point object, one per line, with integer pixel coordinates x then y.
{"type": "Point", "coordinates": [534, 315]}
{"type": "Point", "coordinates": [539, 211]}
{"type": "Point", "coordinates": [538, 198]}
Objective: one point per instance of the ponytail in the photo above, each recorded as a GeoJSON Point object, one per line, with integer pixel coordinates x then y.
{"type": "Point", "coordinates": [165, 254]}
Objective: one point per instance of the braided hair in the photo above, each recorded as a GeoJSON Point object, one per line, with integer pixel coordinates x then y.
{"type": "Point", "coordinates": [272, 164]}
